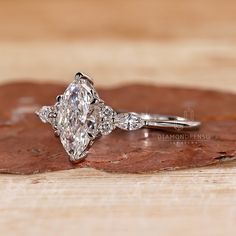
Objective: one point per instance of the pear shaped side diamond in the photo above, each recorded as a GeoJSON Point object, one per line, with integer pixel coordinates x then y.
{"type": "Point", "coordinates": [45, 114]}
{"type": "Point", "coordinates": [129, 121]}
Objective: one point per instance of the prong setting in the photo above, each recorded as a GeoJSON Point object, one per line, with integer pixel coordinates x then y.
{"type": "Point", "coordinates": [80, 76]}
{"type": "Point", "coordinates": [58, 98]}
{"type": "Point", "coordinates": [56, 133]}
{"type": "Point", "coordinates": [52, 115]}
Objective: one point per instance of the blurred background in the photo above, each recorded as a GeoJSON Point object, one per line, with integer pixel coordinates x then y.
{"type": "Point", "coordinates": [177, 42]}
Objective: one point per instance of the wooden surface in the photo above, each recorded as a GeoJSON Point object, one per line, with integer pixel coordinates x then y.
{"type": "Point", "coordinates": [140, 151]}
{"type": "Point", "coordinates": [172, 42]}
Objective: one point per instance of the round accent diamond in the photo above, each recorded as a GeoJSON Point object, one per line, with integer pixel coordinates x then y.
{"type": "Point", "coordinates": [107, 120]}
{"type": "Point", "coordinates": [106, 127]}
{"type": "Point", "coordinates": [107, 112]}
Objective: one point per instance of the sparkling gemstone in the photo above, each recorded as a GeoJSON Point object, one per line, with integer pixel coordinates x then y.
{"type": "Point", "coordinates": [107, 122]}
{"type": "Point", "coordinates": [107, 112]}
{"type": "Point", "coordinates": [106, 127]}
{"type": "Point", "coordinates": [75, 121]}
{"type": "Point", "coordinates": [43, 113]}
{"type": "Point", "coordinates": [128, 121]}
{"type": "Point", "coordinates": [93, 120]}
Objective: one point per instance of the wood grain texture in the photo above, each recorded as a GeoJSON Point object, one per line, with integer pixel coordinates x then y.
{"type": "Point", "coordinates": [28, 146]}
{"type": "Point", "coordinates": [88, 202]}
{"type": "Point", "coordinates": [190, 43]}
{"type": "Point", "coordinates": [191, 63]}
{"type": "Point", "coordinates": [133, 19]}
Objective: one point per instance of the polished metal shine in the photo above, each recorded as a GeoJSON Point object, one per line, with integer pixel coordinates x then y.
{"type": "Point", "coordinates": [79, 117]}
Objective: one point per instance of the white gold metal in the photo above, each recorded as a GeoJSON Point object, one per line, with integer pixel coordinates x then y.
{"type": "Point", "coordinates": [79, 117]}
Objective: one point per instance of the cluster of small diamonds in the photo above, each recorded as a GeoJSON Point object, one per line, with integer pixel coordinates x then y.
{"type": "Point", "coordinates": [107, 120]}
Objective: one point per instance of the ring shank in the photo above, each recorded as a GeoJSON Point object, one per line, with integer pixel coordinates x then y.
{"type": "Point", "coordinates": [168, 123]}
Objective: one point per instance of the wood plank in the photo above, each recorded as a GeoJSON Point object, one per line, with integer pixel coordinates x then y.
{"type": "Point", "coordinates": [192, 63]}
{"type": "Point", "coordinates": [133, 19]}
{"type": "Point", "coordinates": [140, 151]}
{"type": "Point", "coordinates": [84, 201]}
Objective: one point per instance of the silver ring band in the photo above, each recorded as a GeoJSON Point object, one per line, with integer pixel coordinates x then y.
{"type": "Point", "coordinates": [165, 122]}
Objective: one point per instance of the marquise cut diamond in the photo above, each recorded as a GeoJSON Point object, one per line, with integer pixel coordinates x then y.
{"type": "Point", "coordinates": [77, 118]}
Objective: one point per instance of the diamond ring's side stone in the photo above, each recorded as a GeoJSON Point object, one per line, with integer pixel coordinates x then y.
{"type": "Point", "coordinates": [107, 120]}
{"type": "Point", "coordinates": [129, 121]}
{"type": "Point", "coordinates": [47, 114]}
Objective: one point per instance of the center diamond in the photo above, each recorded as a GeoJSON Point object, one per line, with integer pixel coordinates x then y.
{"type": "Point", "coordinates": [77, 118]}
{"type": "Point", "coordinates": [80, 116]}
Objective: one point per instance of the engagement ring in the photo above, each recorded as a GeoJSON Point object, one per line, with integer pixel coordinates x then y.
{"type": "Point", "coordinates": [80, 116]}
